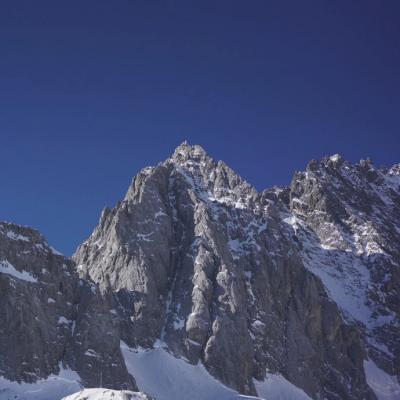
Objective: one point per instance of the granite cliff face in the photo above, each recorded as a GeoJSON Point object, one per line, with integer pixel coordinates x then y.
{"type": "Point", "coordinates": [300, 281]}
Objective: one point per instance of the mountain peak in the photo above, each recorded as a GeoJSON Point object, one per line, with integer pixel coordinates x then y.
{"type": "Point", "coordinates": [336, 158]}
{"type": "Point", "coordinates": [185, 152]}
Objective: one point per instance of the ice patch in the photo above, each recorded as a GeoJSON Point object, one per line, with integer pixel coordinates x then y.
{"type": "Point", "coordinates": [9, 269]}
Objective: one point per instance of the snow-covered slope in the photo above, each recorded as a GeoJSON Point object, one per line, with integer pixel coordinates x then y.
{"type": "Point", "coordinates": [385, 386]}
{"type": "Point", "coordinates": [106, 394]}
{"type": "Point", "coordinates": [54, 387]}
{"type": "Point", "coordinates": [276, 387]}
{"type": "Point", "coordinates": [166, 377]}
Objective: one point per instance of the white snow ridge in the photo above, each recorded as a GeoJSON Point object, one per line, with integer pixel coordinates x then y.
{"type": "Point", "coordinates": [106, 394]}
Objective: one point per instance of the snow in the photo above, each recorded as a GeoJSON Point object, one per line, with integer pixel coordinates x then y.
{"type": "Point", "coordinates": [293, 221]}
{"type": "Point", "coordinates": [343, 262]}
{"type": "Point", "coordinates": [335, 157]}
{"type": "Point", "coordinates": [257, 324]}
{"type": "Point", "coordinates": [160, 214]}
{"type": "Point", "coordinates": [92, 353]}
{"type": "Point", "coordinates": [54, 251]}
{"type": "Point", "coordinates": [347, 287]}
{"type": "Point", "coordinates": [9, 269]}
{"type": "Point", "coordinates": [105, 394]}
{"type": "Point", "coordinates": [235, 247]}
{"type": "Point", "coordinates": [262, 227]}
{"type": "Point", "coordinates": [276, 387]}
{"type": "Point", "coordinates": [344, 275]}
{"type": "Point", "coordinates": [63, 320]}
{"type": "Point", "coordinates": [179, 324]}
{"type": "Point", "coordinates": [15, 236]}
{"type": "Point", "coordinates": [52, 388]}
{"type": "Point", "coordinates": [165, 377]}
{"type": "Point", "coordinates": [39, 246]}
{"type": "Point", "coordinates": [192, 173]}
{"type": "Point", "coordinates": [160, 374]}
{"type": "Point", "coordinates": [145, 237]}
{"type": "Point", "coordinates": [93, 287]}
{"type": "Point", "coordinates": [385, 386]}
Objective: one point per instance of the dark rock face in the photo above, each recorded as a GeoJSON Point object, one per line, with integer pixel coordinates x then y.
{"type": "Point", "coordinates": [303, 281]}
{"type": "Point", "coordinates": [49, 318]}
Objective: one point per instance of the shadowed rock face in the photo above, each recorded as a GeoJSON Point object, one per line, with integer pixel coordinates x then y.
{"type": "Point", "coordinates": [49, 318]}
{"type": "Point", "coordinates": [300, 280]}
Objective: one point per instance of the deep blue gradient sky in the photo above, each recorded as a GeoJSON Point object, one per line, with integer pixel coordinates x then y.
{"type": "Point", "coordinates": [92, 91]}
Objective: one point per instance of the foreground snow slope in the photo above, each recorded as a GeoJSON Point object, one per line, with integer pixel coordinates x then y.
{"type": "Point", "coordinates": [52, 388]}
{"type": "Point", "coordinates": [165, 377]}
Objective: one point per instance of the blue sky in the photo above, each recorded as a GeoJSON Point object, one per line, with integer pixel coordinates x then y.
{"type": "Point", "coordinates": [92, 91]}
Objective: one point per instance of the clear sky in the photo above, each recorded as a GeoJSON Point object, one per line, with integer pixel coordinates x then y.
{"type": "Point", "coordinates": [92, 91]}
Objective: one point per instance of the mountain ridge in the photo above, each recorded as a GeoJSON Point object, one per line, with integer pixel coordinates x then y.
{"type": "Point", "coordinates": [250, 283]}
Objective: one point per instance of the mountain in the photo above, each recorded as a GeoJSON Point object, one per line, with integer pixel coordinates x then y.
{"type": "Point", "coordinates": [196, 283]}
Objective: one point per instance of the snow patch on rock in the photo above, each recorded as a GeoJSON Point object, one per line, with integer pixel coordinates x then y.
{"type": "Point", "coordinates": [7, 268]}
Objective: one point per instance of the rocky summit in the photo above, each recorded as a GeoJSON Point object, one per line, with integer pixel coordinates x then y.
{"type": "Point", "coordinates": [198, 278]}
